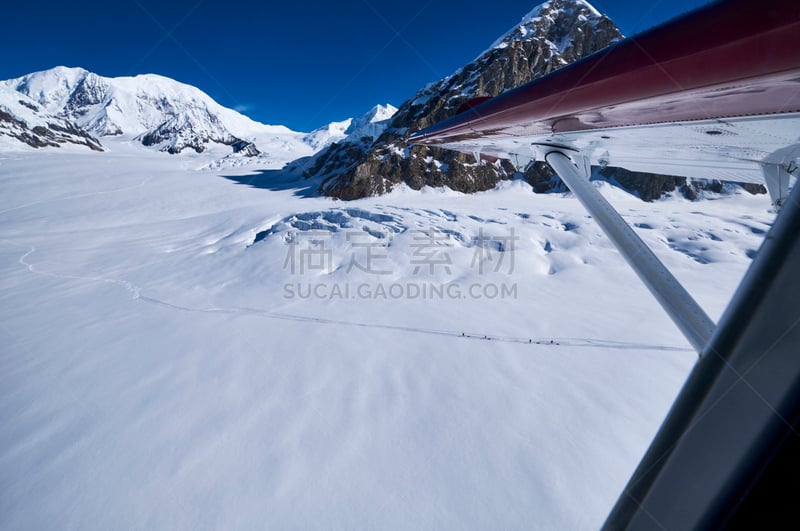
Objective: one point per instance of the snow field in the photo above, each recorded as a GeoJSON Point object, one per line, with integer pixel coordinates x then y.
{"type": "Point", "coordinates": [153, 372]}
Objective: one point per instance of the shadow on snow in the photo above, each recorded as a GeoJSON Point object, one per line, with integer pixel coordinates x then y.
{"type": "Point", "coordinates": [278, 181]}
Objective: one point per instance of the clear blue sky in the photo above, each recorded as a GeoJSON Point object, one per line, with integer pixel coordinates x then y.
{"type": "Point", "coordinates": [297, 63]}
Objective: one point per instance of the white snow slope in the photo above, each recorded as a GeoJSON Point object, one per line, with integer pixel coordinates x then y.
{"type": "Point", "coordinates": [127, 105]}
{"type": "Point", "coordinates": [371, 124]}
{"type": "Point", "coordinates": [162, 369]}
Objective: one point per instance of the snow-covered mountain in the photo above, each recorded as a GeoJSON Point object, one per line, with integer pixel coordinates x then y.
{"type": "Point", "coordinates": [324, 136]}
{"type": "Point", "coordinates": [371, 125]}
{"type": "Point", "coordinates": [350, 132]}
{"type": "Point", "coordinates": [155, 110]}
{"type": "Point", "coordinates": [553, 34]}
{"type": "Point", "coordinates": [159, 112]}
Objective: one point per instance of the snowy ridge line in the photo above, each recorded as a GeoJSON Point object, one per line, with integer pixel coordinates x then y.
{"type": "Point", "coordinates": [136, 293]}
{"type": "Point", "coordinates": [78, 196]}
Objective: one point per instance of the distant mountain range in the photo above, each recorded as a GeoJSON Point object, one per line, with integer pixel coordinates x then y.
{"type": "Point", "coordinates": [72, 105]}
{"type": "Point", "coordinates": [354, 158]}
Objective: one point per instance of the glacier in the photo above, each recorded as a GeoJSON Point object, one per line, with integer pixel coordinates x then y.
{"type": "Point", "coordinates": [164, 364]}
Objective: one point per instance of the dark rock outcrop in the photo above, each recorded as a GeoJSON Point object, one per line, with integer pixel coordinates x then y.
{"type": "Point", "coordinates": [193, 129]}
{"type": "Point", "coordinates": [54, 133]}
{"type": "Point", "coordinates": [650, 187]}
{"type": "Point", "coordinates": [245, 148]}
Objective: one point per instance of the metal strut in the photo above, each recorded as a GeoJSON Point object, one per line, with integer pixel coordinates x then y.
{"type": "Point", "coordinates": [690, 318]}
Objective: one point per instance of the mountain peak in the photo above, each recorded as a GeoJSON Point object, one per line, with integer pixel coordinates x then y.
{"type": "Point", "coordinates": [49, 88]}
{"type": "Point", "coordinates": [379, 113]}
{"type": "Point", "coordinates": [370, 125]}
{"type": "Point", "coordinates": [555, 16]}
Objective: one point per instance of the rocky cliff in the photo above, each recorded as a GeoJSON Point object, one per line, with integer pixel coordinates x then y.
{"type": "Point", "coordinates": [22, 120]}
{"type": "Point", "coordinates": [554, 34]}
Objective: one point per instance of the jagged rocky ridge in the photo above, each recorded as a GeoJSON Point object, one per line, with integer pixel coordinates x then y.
{"type": "Point", "coordinates": [553, 35]}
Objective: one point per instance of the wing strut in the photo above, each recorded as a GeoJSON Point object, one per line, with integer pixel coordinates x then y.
{"type": "Point", "coordinates": [690, 318]}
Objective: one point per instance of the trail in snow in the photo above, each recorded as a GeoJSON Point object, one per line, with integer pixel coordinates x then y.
{"type": "Point", "coordinates": [136, 294]}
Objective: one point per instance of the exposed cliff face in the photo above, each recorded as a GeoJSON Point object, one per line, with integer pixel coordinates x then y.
{"type": "Point", "coordinates": [650, 187]}
{"type": "Point", "coordinates": [192, 129]}
{"type": "Point", "coordinates": [552, 35]}
{"type": "Point", "coordinates": [23, 120]}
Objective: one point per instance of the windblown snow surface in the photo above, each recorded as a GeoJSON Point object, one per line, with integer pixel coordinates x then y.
{"type": "Point", "coordinates": [182, 350]}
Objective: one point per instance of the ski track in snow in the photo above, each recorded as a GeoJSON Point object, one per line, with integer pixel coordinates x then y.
{"type": "Point", "coordinates": [136, 294]}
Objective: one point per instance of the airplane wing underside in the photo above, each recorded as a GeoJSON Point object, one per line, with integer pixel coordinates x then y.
{"type": "Point", "coordinates": [732, 149]}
